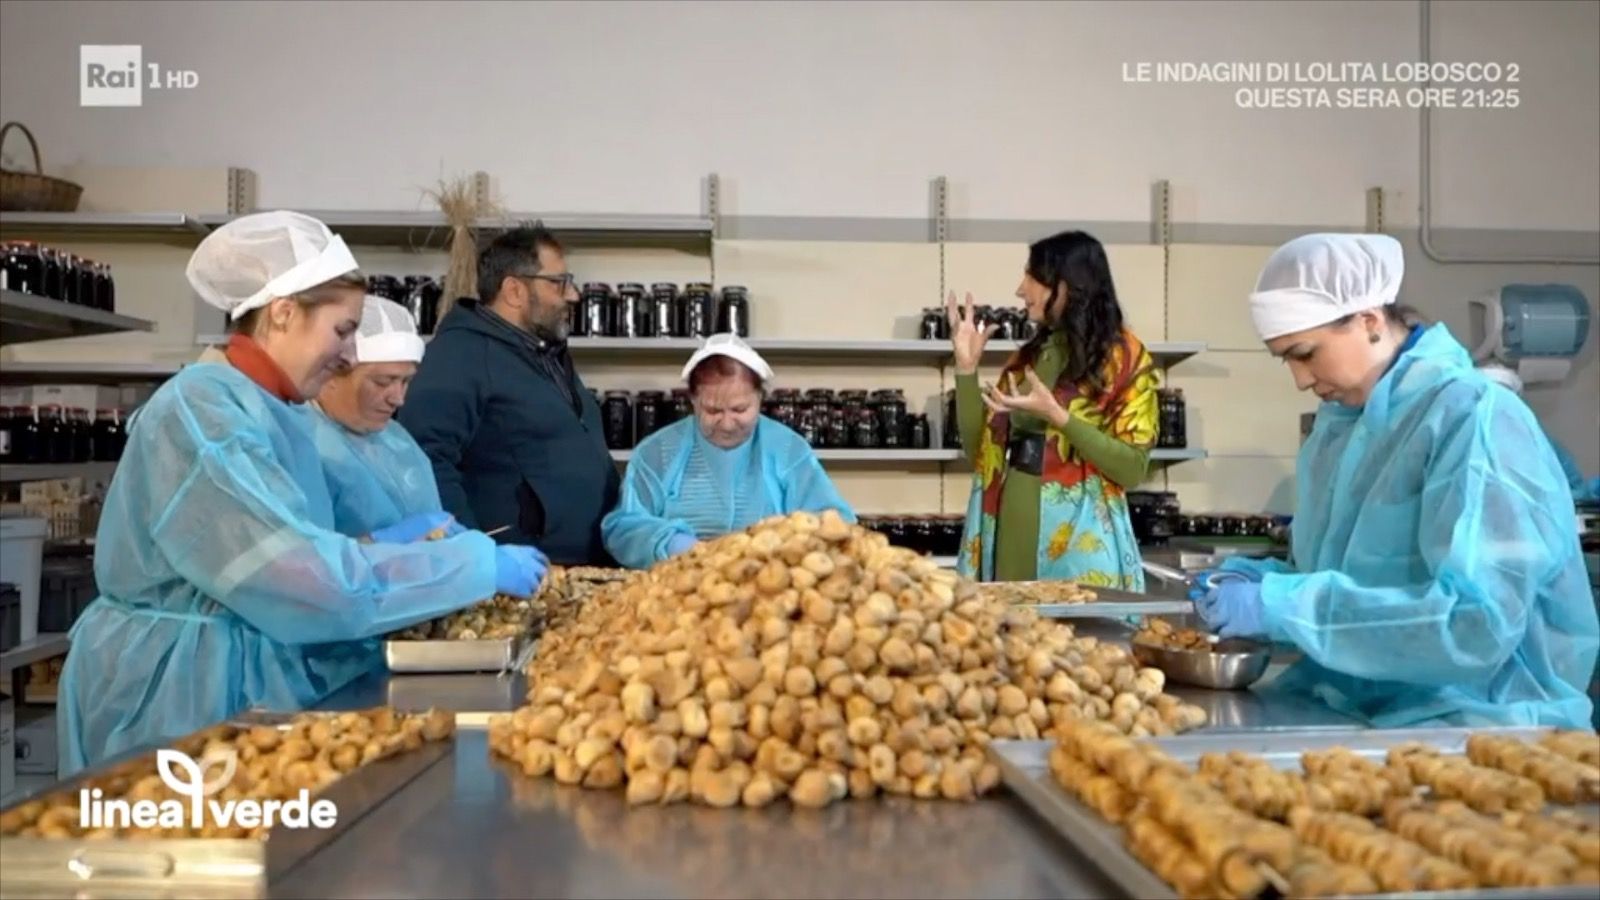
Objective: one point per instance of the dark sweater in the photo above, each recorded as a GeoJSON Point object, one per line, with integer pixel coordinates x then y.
{"type": "Point", "coordinates": [514, 436]}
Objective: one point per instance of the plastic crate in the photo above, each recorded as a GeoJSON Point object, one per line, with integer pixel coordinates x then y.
{"type": "Point", "coordinates": [10, 617]}
{"type": "Point", "coordinates": [66, 588]}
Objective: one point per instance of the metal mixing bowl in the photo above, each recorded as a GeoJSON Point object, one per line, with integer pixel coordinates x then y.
{"type": "Point", "coordinates": [1231, 664]}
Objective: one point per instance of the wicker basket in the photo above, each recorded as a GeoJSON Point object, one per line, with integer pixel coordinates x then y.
{"type": "Point", "coordinates": [35, 191]}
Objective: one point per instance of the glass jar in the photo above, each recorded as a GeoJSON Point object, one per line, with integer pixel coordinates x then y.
{"type": "Point", "coordinates": [55, 439]}
{"type": "Point", "coordinates": [853, 401]}
{"type": "Point", "coordinates": [109, 436]}
{"type": "Point", "coordinates": [934, 325]}
{"type": "Point", "coordinates": [811, 427]}
{"type": "Point", "coordinates": [682, 404]}
{"type": "Point", "coordinates": [22, 268]}
{"type": "Point", "coordinates": [83, 271]}
{"type": "Point", "coordinates": [695, 315]}
{"type": "Point", "coordinates": [6, 424]}
{"type": "Point", "coordinates": [733, 313]}
{"type": "Point", "coordinates": [594, 310]}
{"type": "Point", "coordinates": [388, 287]}
{"type": "Point", "coordinates": [649, 408]}
{"type": "Point", "coordinates": [952, 426]}
{"type": "Point", "coordinates": [108, 299]}
{"type": "Point", "coordinates": [924, 535]}
{"type": "Point", "coordinates": [69, 278]}
{"type": "Point", "coordinates": [1005, 324]}
{"type": "Point", "coordinates": [664, 308]}
{"type": "Point", "coordinates": [891, 411]}
{"type": "Point", "coordinates": [80, 425]}
{"type": "Point", "coordinates": [840, 428]}
{"type": "Point", "coordinates": [920, 437]}
{"type": "Point", "coordinates": [950, 534]}
{"type": "Point", "coordinates": [786, 407]}
{"type": "Point", "coordinates": [27, 435]}
{"type": "Point", "coordinates": [628, 312]}
{"type": "Point", "coordinates": [616, 419]}
{"type": "Point", "coordinates": [54, 285]}
{"type": "Point", "coordinates": [864, 434]}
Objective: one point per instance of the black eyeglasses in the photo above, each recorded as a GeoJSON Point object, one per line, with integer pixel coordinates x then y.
{"type": "Point", "coordinates": [566, 281]}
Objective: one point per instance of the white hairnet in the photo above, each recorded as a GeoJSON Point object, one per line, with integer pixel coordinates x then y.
{"type": "Point", "coordinates": [387, 333]}
{"type": "Point", "coordinates": [1503, 376]}
{"type": "Point", "coordinates": [729, 345]}
{"type": "Point", "coordinates": [251, 260]}
{"type": "Point", "coordinates": [1321, 278]}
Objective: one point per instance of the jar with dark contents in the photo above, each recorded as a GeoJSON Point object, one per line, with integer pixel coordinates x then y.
{"type": "Point", "coordinates": [70, 264]}
{"type": "Point", "coordinates": [387, 286]}
{"type": "Point", "coordinates": [108, 297]}
{"type": "Point", "coordinates": [594, 310]}
{"type": "Point", "coordinates": [86, 293]}
{"type": "Point", "coordinates": [54, 285]}
{"type": "Point", "coordinates": [864, 434]}
{"type": "Point", "coordinates": [934, 326]}
{"type": "Point", "coordinates": [952, 427]}
{"type": "Point", "coordinates": [733, 312]}
{"type": "Point", "coordinates": [682, 404]}
{"type": "Point", "coordinates": [811, 426]}
{"type": "Point", "coordinates": [54, 435]}
{"type": "Point", "coordinates": [840, 430]}
{"type": "Point", "coordinates": [649, 409]}
{"type": "Point", "coordinates": [7, 445]}
{"type": "Point", "coordinates": [786, 407]}
{"type": "Point", "coordinates": [109, 436]}
{"type": "Point", "coordinates": [426, 295]}
{"type": "Point", "coordinates": [891, 412]}
{"type": "Point", "coordinates": [22, 268]}
{"type": "Point", "coordinates": [27, 435]}
{"type": "Point", "coordinates": [921, 437]}
{"type": "Point", "coordinates": [627, 311]}
{"type": "Point", "coordinates": [853, 401]}
{"type": "Point", "coordinates": [616, 420]}
{"type": "Point", "coordinates": [664, 308]}
{"type": "Point", "coordinates": [81, 428]}
{"type": "Point", "coordinates": [695, 314]}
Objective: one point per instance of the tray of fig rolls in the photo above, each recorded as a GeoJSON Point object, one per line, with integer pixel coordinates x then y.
{"type": "Point", "coordinates": [1415, 813]}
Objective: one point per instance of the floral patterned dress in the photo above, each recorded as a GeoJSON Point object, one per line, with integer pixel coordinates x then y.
{"type": "Point", "coordinates": [1085, 533]}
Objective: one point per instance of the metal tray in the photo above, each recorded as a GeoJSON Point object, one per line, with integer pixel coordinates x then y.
{"type": "Point", "coordinates": [453, 656]}
{"type": "Point", "coordinates": [197, 867]}
{"type": "Point", "coordinates": [1025, 769]}
{"type": "Point", "coordinates": [1114, 604]}
{"type": "Point", "coordinates": [472, 697]}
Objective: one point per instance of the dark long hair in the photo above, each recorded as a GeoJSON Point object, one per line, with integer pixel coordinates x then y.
{"type": "Point", "coordinates": [1091, 323]}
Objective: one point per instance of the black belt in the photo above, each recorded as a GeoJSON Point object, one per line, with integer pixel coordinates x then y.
{"type": "Point", "coordinates": [1025, 453]}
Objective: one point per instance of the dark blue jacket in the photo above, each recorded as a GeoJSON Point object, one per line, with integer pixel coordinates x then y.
{"type": "Point", "coordinates": [514, 436]}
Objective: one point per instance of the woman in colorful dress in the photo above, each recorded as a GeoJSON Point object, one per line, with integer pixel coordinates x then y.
{"type": "Point", "coordinates": [1067, 431]}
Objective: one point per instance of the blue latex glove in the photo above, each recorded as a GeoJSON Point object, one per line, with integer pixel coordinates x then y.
{"type": "Point", "coordinates": [1233, 609]}
{"type": "Point", "coordinates": [680, 543]}
{"type": "Point", "coordinates": [518, 570]}
{"type": "Point", "coordinates": [1211, 579]}
{"type": "Point", "coordinates": [412, 528]}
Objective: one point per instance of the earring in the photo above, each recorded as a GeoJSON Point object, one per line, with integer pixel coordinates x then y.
{"type": "Point", "coordinates": [1372, 337]}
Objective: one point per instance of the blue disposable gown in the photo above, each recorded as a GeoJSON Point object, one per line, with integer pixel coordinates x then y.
{"type": "Point", "coordinates": [1437, 575]}
{"type": "Point", "coordinates": [680, 484]}
{"type": "Point", "coordinates": [374, 480]}
{"type": "Point", "coordinates": [223, 584]}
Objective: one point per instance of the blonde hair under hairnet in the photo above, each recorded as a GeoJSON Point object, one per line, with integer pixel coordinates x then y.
{"type": "Point", "coordinates": [1321, 278]}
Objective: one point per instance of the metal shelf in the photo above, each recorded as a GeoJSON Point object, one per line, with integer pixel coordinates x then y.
{"type": "Point", "coordinates": [98, 372]}
{"type": "Point", "coordinates": [43, 646]}
{"type": "Point", "coordinates": [48, 471]}
{"type": "Point", "coordinates": [103, 224]}
{"type": "Point", "coordinates": [862, 456]}
{"type": "Point", "coordinates": [24, 317]}
{"type": "Point", "coordinates": [899, 350]}
{"type": "Point", "coordinates": [429, 229]}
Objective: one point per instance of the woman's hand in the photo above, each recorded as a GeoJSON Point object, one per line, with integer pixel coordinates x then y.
{"type": "Point", "coordinates": [1037, 400]}
{"type": "Point", "coordinates": [965, 337]}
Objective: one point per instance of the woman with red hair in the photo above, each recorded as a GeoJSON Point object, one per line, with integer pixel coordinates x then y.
{"type": "Point", "coordinates": [723, 469]}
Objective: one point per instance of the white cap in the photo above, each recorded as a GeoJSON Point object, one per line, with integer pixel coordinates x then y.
{"type": "Point", "coordinates": [251, 260]}
{"type": "Point", "coordinates": [731, 346]}
{"type": "Point", "coordinates": [1321, 278]}
{"type": "Point", "coordinates": [387, 333]}
{"type": "Point", "coordinates": [1503, 376]}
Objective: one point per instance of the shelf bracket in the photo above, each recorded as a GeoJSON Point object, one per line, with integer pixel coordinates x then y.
{"type": "Point", "coordinates": [939, 224]}
{"type": "Point", "coordinates": [711, 203]}
{"type": "Point", "coordinates": [1161, 234]}
{"type": "Point", "coordinates": [241, 191]}
{"type": "Point", "coordinates": [1374, 210]}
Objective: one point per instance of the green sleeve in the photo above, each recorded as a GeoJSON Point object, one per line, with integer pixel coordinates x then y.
{"type": "Point", "coordinates": [1126, 464]}
{"type": "Point", "coordinates": [969, 413]}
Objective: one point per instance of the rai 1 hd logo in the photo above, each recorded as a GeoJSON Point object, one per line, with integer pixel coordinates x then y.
{"type": "Point", "coordinates": [117, 75]}
{"type": "Point", "coordinates": [188, 778]}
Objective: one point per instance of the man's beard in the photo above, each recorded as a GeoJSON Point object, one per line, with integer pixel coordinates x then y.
{"type": "Point", "coordinates": [554, 330]}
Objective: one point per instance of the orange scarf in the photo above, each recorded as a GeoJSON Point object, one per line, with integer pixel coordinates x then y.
{"type": "Point", "coordinates": [247, 356]}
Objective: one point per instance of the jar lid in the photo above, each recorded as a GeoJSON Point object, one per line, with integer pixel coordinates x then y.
{"type": "Point", "coordinates": [664, 286]}
{"type": "Point", "coordinates": [617, 394]}
{"type": "Point", "coordinates": [24, 245]}
{"type": "Point", "coordinates": [735, 289]}
{"type": "Point", "coordinates": [630, 288]}
{"type": "Point", "coordinates": [596, 287]}
{"type": "Point", "coordinates": [653, 395]}
{"type": "Point", "coordinates": [698, 287]}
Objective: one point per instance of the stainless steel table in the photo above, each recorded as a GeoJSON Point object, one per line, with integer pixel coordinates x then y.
{"type": "Point", "coordinates": [475, 827]}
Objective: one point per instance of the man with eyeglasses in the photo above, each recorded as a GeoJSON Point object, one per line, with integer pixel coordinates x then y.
{"type": "Point", "coordinates": [514, 436]}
